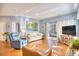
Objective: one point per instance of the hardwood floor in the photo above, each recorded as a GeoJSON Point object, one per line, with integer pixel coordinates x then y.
{"type": "Point", "coordinates": [10, 52]}
{"type": "Point", "coordinates": [6, 50]}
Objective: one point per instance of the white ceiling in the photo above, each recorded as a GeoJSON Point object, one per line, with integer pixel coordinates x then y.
{"type": "Point", "coordinates": [36, 10]}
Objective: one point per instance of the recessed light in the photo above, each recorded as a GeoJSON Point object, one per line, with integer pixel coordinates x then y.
{"type": "Point", "coordinates": [29, 10]}
{"type": "Point", "coordinates": [37, 14]}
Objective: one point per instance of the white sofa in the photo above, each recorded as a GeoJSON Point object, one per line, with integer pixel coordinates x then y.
{"type": "Point", "coordinates": [32, 36]}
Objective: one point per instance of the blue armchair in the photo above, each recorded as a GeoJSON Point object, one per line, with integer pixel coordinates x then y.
{"type": "Point", "coordinates": [16, 41]}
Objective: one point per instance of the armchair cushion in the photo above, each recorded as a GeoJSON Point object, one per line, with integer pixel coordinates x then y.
{"type": "Point", "coordinates": [15, 36]}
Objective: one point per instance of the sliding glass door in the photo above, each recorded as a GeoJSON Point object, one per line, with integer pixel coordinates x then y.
{"type": "Point", "coordinates": [51, 30]}
{"type": "Point", "coordinates": [51, 34]}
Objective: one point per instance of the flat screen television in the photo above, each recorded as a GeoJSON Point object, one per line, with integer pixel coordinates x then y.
{"type": "Point", "coordinates": [69, 30]}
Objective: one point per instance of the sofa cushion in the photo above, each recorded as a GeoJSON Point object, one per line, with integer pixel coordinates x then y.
{"type": "Point", "coordinates": [33, 36]}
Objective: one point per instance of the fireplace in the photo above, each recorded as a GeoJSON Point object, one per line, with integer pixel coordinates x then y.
{"type": "Point", "coordinates": [69, 30]}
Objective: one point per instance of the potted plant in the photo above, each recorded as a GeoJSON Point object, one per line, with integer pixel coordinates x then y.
{"type": "Point", "coordinates": [6, 35]}
{"type": "Point", "coordinates": [75, 43]}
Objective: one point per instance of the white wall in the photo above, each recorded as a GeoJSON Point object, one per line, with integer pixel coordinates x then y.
{"type": "Point", "coordinates": [65, 23]}
{"type": "Point", "coordinates": [71, 16]}
{"type": "Point", "coordinates": [14, 29]}
{"type": "Point", "coordinates": [23, 22]}
{"type": "Point", "coordinates": [63, 20]}
{"type": "Point", "coordinates": [2, 30]}
{"type": "Point", "coordinates": [9, 20]}
{"type": "Point", "coordinates": [2, 27]}
{"type": "Point", "coordinates": [9, 24]}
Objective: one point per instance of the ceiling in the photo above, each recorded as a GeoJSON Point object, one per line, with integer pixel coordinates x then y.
{"type": "Point", "coordinates": [36, 10]}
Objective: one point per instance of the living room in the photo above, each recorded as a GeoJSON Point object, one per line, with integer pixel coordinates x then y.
{"type": "Point", "coordinates": [27, 30]}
